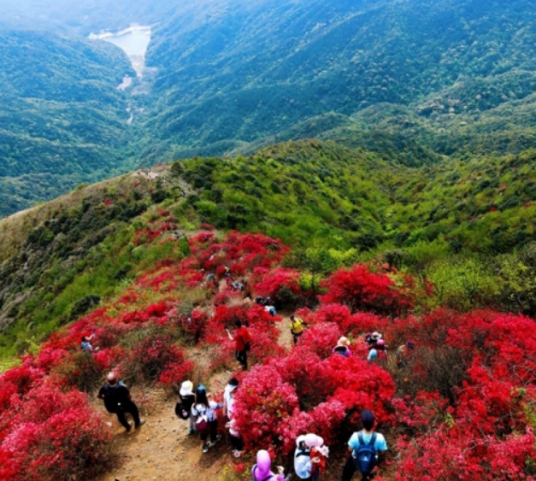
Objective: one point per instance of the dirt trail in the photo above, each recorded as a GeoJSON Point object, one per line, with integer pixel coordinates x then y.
{"type": "Point", "coordinates": [162, 449]}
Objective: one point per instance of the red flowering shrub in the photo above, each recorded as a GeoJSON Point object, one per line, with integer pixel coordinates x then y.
{"type": "Point", "coordinates": [281, 285]}
{"type": "Point", "coordinates": [363, 290]}
{"type": "Point", "coordinates": [320, 339]}
{"type": "Point", "coordinates": [291, 395]}
{"type": "Point", "coordinates": [154, 356]}
{"type": "Point", "coordinates": [53, 435]}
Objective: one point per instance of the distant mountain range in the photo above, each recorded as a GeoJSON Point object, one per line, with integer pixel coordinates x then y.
{"type": "Point", "coordinates": [419, 79]}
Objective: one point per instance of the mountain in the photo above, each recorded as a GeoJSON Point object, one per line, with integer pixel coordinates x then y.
{"type": "Point", "coordinates": [418, 78]}
{"type": "Point", "coordinates": [63, 120]}
{"type": "Point", "coordinates": [455, 76]}
{"type": "Point", "coordinates": [466, 227]}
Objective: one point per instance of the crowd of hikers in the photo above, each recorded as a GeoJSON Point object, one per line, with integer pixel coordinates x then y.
{"type": "Point", "coordinates": [310, 457]}
{"type": "Point", "coordinates": [202, 412]}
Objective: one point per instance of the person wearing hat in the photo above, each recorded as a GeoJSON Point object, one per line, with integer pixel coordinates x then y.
{"type": "Point", "coordinates": [372, 338]}
{"type": "Point", "coordinates": [117, 400]}
{"type": "Point", "coordinates": [307, 457]}
{"type": "Point", "coordinates": [342, 347]}
{"type": "Point", "coordinates": [365, 446]}
{"type": "Point", "coordinates": [187, 398]}
{"type": "Point", "coordinates": [261, 470]}
{"type": "Point", "coordinates": [206, 418]}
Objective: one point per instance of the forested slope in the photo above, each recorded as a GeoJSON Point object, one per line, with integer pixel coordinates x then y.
{"type": "Point", "coordinates": [62, 119]}
{"type": "Point", "coordinates": [467, 228]}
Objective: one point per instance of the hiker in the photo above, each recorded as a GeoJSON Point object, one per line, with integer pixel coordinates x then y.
{"type": "Point", "coordinates": [117, 400]}
{"type": "Point", "coordinates": [241, 337]}
{"type": "Point", "coordinates": [261, 471]}
{"type": "Point", "coordinates": [237, 286]}
{"type": "Point", "coordinates": [227, 273]}
{"type": "Point", "coordinates": [262, 301]}
{"type": "Point", "coordinates": [365, 446]}
{"type": "Point", "coordinates": [237, 442]}
{"type": "Point", "coordinates": [183, 409]}
{"type": "Point", "coordinates": [270, 310]}
{"type": "Point", "coordinates": [228, 406]}
{"type": "Point", "coordinates": [297, 326]}
{"type": "Point", "coordinates": [381, 349]}
{"type": "Point", "coordinates": [206, 418]}
{"type": "Point", "coordinates": [228, 397]}
{"type": "Point", "coordinates": [372, 338]}
{"type": "Point", "coordinates": [85, 344]}
{"type": "Point", "coordinates": [402, 354]}
{"type": "Point", "coordinates": [303, 465]}
{"type": "Point", "coordinates": [319, 455]}
{"type": "Point", "coordinates": [342, 347]}
{"type": "Point", "coordinates": [372, 354]}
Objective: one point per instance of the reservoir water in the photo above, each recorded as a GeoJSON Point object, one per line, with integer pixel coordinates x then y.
{"type": "Point", "coordinates": [133, 41]}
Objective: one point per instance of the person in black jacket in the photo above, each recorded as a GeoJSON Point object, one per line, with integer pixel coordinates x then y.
{"type": "Point", "coordinates": [117, 400]}
{"type": "Point", "coordinates": [187, 398]}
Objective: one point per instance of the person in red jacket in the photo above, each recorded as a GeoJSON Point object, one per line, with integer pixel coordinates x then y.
{"type": "Point", "coordinates": [242, 338]}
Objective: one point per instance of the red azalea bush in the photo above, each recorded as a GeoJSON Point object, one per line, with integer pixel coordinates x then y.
{"type": "Point", "coordinates": [156, 356]}
{"type": "Point", "coordinates": [281, 285]}
{"type": "Point", "coordinates": [291, 395]}
{"type": "Point", "coordinates": [320, 339]}
{"type": "Point", "coordinates": [50, 435]}
{"type": "Point", "coordinates": [363, 290]}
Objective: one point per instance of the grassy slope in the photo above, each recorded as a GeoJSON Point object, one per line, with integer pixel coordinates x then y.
{"type": "Point", "coordinates": [58, 256]}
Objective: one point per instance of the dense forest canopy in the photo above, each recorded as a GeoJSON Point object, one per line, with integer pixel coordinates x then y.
{"type": "Point", "coordinates": [425, 80]}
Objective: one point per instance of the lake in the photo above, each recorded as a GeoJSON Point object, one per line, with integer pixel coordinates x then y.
{"type": "Point", "coordinates": [133, 41]}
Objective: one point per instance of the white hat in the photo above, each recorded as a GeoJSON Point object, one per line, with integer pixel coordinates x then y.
{"type": "Point", "coordinates": [376, 336]}
{"type": "Point", "coordinates": [311, 440]}
{"type": "Point", "coordinates": [186, 388]}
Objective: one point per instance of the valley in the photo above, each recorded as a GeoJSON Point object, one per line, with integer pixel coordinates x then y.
{"type": "Point", "coordinates": [179, 180]}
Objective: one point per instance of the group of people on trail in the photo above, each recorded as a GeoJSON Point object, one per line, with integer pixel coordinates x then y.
{"type": "Point", "coordinates": [311, 454]}
{"type": "Point", "coordinates": [310, 457]}
{"type": "Point", "coordinates": [201, 411]}
{"type": "Point", "coordinates": [377, 347]}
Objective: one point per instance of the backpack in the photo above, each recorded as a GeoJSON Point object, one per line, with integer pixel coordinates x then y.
{"type": "Point", "coordinates": [180, 411]}
{"type": "Point", "coordinates": [365, 455]}
{"type": "Point", "coordinates": [265, 479]}
{"type": "Point", "coordinates": [201, 424]}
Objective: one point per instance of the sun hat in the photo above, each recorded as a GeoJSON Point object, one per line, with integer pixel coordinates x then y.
{"type": "Point", "coordinates": [312, 440]}
{"type": "Point", "coordinates": [375, 336]}
{"type": "Point", "coordinates": [343, 341]}
{"type": "Point", "coordinates": [186, 388]}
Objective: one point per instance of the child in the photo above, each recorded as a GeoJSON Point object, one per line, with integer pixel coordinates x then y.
{"type": "Point", "coordinates": [204, 412]}
{"type": "Point", "coordinates": [261, 471]}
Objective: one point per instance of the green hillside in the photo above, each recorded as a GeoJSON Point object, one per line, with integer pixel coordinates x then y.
{"type": "Point", "coordinates": [412, 81]}
{"type": "Point", "coordinates": [453, 76]}
{"type": "Point", "coordinates": [62, 118]}
{"type": "Point", "coordinates": [465, 227]}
